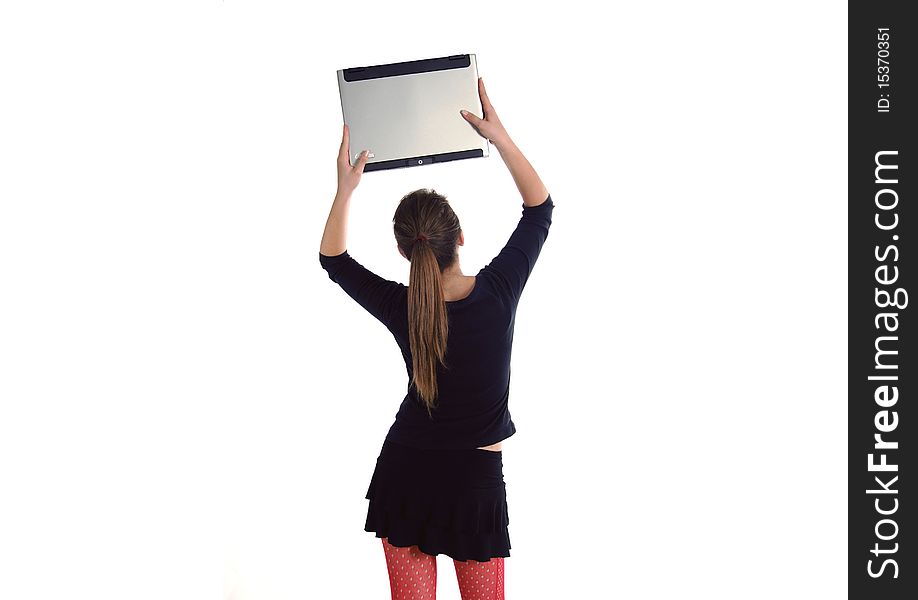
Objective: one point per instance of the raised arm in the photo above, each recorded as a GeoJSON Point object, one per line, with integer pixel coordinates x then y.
{"type": "Point", "coordinates": [524, 175]}
{"type": "Point", "coordinates": [380, 297]}
{"type": "Point", "coordinates": [334, 238]}
{"type": "Point", "coordinates": [513, 265]}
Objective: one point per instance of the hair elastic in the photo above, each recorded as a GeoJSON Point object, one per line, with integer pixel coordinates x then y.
{"type": "Point", "coordinates": [421, 236]}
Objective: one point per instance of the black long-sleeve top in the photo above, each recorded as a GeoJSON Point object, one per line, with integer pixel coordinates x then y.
{"type": "Point", "coordinates": [473, 391]}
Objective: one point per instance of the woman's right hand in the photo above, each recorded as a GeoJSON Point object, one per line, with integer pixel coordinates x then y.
{"type": "Point", "coordinates": [490, 126]}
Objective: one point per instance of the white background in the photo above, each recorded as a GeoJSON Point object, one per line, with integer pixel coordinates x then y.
{"type": "Point", "coordinates": [192, 409]}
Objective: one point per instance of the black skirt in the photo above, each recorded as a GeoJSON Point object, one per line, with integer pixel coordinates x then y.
{"type": "Point", "coordinates": [451, 502]}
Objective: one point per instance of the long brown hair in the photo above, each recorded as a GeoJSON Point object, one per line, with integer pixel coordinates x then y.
{"type": "Point", "coordinates": [427, 232]}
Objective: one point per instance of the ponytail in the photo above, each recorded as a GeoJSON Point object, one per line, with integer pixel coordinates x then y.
{"type": "Point", "coordinates": [427, 232]}
{"type": "Point", "coordinates": [427, 321]}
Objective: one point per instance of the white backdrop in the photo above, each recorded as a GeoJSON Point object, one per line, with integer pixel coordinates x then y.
{"type": "Point", "coordinates": [191, 409]}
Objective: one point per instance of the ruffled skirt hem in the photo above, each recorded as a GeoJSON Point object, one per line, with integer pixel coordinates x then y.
{"type": "Point", "coordinates": [444, 504]}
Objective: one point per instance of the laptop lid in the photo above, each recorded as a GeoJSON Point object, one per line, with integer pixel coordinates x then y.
{"type": "Point", "coordinates": [407, 113]}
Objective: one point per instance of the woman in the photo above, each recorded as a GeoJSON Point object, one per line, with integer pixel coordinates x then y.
{"type": "Point", "coordinates": [438, 486]}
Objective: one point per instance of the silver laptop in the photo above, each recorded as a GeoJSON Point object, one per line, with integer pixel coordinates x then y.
{"type": "Point", "coordinates": [407, 113]}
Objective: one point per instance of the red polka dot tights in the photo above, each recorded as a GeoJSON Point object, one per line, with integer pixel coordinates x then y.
{"type": "Point", "coordinates": [413, 575]}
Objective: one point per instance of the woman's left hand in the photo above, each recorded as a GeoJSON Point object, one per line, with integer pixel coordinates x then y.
{"type": "Point", "coordinates": [348, 176]}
